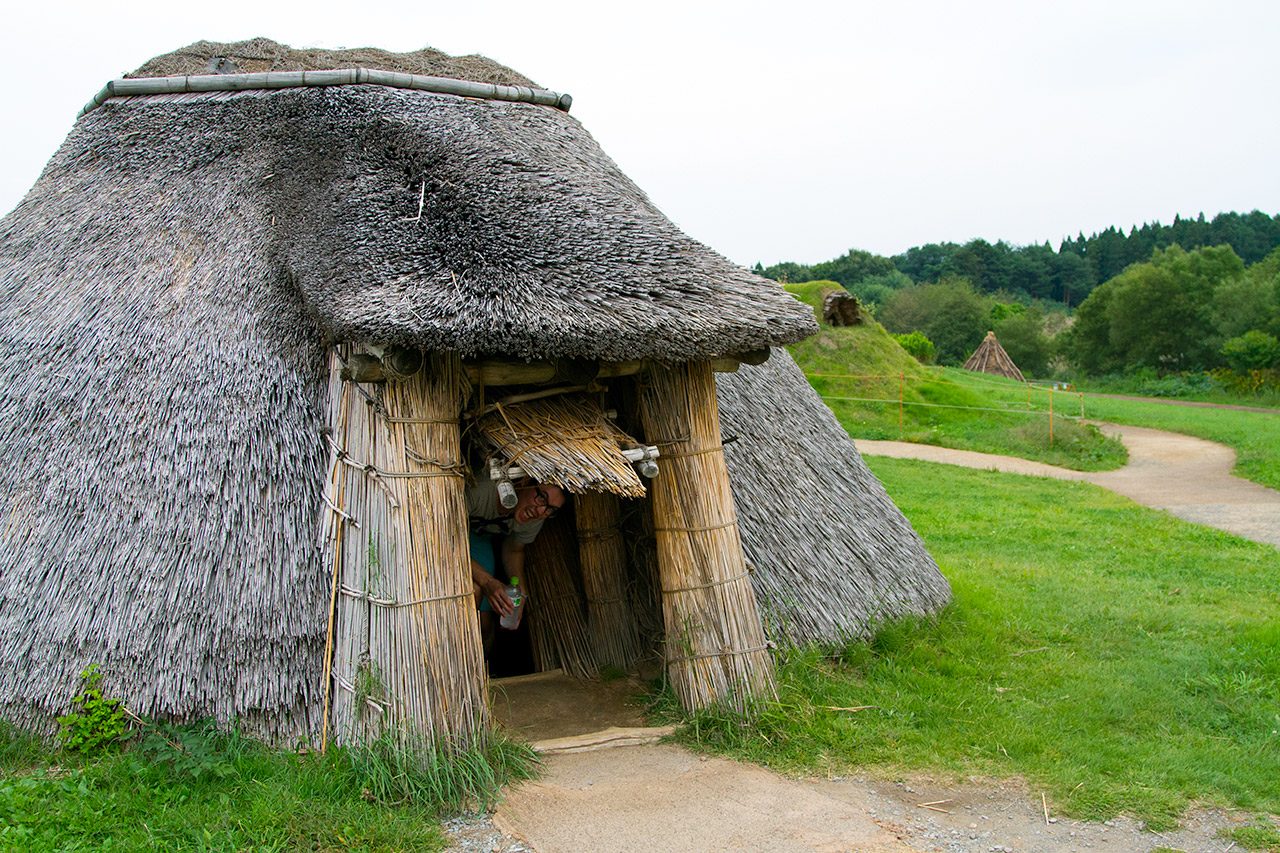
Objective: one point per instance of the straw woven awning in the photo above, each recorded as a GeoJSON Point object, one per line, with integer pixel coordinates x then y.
{"type": "Point", "coordinates": [566, 441]}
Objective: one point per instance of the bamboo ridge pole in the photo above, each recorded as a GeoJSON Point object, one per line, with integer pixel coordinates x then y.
{"type": "Point", "coordinates": [715, 645]}
{"type": "Point", "coordinates": [129, 86]}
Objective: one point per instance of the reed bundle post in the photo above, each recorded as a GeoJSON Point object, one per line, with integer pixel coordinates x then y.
{"type": "Point", "coordinates": [408, 660]}
{"type": "Point", "coordinates": [716, 650]}
{"type": "Point", "coordinates": [603, 554]}
{"type": "Point", "coordinates": [557, 626]}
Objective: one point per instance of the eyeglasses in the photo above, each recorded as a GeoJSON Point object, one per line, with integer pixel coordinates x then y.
{"type": "Point", "coordinates": [542, 501]}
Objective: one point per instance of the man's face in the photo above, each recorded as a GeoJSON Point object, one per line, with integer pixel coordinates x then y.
{"type": "Point", "coordinates": [537, 502]}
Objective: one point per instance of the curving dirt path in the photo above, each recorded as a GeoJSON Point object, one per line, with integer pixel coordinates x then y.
{"type": "Point", "coordinates": [663, 797]}
{"type": "Point", "coordinates": [1187, 477]}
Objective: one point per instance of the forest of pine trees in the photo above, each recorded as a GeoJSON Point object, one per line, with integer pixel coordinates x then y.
{"type": "Point", "coordinates": [1038, 271]}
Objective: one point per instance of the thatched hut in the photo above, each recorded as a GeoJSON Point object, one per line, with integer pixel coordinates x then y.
{"type": "Point", "coordinates": [248, 317]}
{"type": "Point", "coordinates": [991, 357]}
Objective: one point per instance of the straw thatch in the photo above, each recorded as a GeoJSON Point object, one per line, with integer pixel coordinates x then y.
{"type": "Point", "coordinates": [260, 55]}
{"type": "Point", "coordinates": [602, 553]}
{"type": "Point", "coordinates": [990, 357]}
{"type": "Point", "coordinates": [565, 440]}
{"type": "Point", "coordinates": [833, 556]}
{"type": "Point", "coordinates": [174, 284]}
{"type": "Point", "coordinates": [557, 623]}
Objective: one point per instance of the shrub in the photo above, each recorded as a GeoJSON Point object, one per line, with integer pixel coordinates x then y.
{"type": "Point", "coordinates": [1178, 385]}
{"type": "Point", "coordinates": [1254, 350]}
{"type": "Point", "coordinates": [918, 346]}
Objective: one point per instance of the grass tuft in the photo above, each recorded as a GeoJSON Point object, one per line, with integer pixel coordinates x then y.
{"type": "Point", "coordinates": [1260, 836]}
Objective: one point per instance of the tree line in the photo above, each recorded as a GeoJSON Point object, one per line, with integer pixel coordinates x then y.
{"type": "Point", "coordinates": [1037, 272]}
{"type": "Point", "coordinates": [1175, 310]}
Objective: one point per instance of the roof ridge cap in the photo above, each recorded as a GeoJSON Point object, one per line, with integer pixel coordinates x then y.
{"type": "Point", "coordinates": [133, 86]}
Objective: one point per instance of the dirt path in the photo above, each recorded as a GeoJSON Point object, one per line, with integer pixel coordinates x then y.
{"type": "Point", "coordinates": [1187, 477]}
{"type": "Point", "coordinates": [663, 797]}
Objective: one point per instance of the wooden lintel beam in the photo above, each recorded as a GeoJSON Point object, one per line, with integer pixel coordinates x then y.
{"type": "Point", "coordinates": [492, 372]}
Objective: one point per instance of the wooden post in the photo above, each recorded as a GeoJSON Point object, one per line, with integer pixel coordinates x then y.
{"type": "Point", "coordinates": [902, 393]}
{"type": "Point", "coordinates": [715, 645]}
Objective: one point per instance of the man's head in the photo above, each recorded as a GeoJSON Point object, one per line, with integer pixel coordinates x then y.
{"type": "Point", "coordinates": [535, 503]}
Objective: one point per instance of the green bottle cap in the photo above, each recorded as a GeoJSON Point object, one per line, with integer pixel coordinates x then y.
{"type": "Point", "coordinates": [515, 581]}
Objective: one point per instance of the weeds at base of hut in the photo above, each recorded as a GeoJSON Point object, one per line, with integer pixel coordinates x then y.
{"type": "Point", "coordinates": [446, 778]}
{"type": "Point", "coordinates": [193, 786]}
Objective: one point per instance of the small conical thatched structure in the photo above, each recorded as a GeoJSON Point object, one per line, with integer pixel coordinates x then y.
{"type": "Point", "coordinates": [249, 321]}
{"type": "Point", "coordinates": [991, 358]}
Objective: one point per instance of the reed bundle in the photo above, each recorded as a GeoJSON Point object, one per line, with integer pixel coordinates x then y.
{"type": "Point", "coordinates": [566, 441]}
{"type": "Point", "coordinates": [991, 357]}
{"type": "Point", "coordinates": [716, 649]}
{"type": "Point", "coordinates": [407, 659]}
{"type": "Point", "coordinates": [557, 625]}
{"type": "Point", "coordinates": [603, 555]}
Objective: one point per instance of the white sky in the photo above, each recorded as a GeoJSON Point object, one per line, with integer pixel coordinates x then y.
{"type": "Point", "coordinates": [794, 130]}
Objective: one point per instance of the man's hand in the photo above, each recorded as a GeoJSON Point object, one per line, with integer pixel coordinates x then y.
{"type": "Point", "coordinates": [496, 591]}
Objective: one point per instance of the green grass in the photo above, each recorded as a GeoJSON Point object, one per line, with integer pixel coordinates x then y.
{"type": "Point", "coordinates": [1255, 436]}
{"type": "Point", "coordinates": [195, 789]}
{"type": "Point", "coordinates": [853, 368]}
{"type": "Point", "coordinates": [1261, 836]}
{"type": "Point", "coordinates": [1123, 659]}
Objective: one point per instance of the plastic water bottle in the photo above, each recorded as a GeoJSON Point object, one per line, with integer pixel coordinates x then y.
{"type": "Point", "coordinates": [517, 599]}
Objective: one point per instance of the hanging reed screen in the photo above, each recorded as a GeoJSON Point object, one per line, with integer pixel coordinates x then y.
{"type": "Point", "coordinates": [404, 641]}
{"type": "Point", "coordinates": [566, 441]}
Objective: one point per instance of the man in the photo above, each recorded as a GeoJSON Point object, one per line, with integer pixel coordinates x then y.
{"type": "Point", "coordinates": [517, 527]}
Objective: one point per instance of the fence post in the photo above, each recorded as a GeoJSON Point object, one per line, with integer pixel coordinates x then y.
{"type": "Point", "coordinates": [1051, 414]}
{"type": "Point", "coordinates": [902, 381]}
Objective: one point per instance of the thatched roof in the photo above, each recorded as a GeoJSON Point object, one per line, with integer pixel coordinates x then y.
{"type": "Point", "coordinates": [990, 357]}
{"type": "Point", "coordinates": [833, 557]}
{"type": "Point", "coordinates": [172, 283]}
{"type": "Point", "coordinates": [256, 56]}
{"type": "Point", "coordinates": [390, 214]}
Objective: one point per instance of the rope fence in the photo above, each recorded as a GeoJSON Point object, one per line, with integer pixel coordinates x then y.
{"type": "Point", "coordinates": [1025, 408]}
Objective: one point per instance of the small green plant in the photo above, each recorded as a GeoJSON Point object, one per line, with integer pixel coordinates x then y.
{"type": "Point", "coordinates": [196, 751]}
{"type": "Point", "coordinates": [97, 724]}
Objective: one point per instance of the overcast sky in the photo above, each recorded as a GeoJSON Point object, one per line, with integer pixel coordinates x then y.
{"type": "Point", "coordinates": [795, 130]}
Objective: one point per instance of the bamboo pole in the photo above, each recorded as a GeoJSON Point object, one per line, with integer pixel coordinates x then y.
{"type": "Point", "coordinates": [603, 555]}
{"type": "Point", "coordinates": [715, 647]}
{"type": "Point", "coordinates": [1051, 414]}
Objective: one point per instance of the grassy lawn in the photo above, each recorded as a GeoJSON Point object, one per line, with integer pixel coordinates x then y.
{"type": "Point", "coordinates": [1127, 661]}
{"type": "Point", "coordinates": [202, 791]}
{"type": "Point", "coordinates": [857, 369]}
